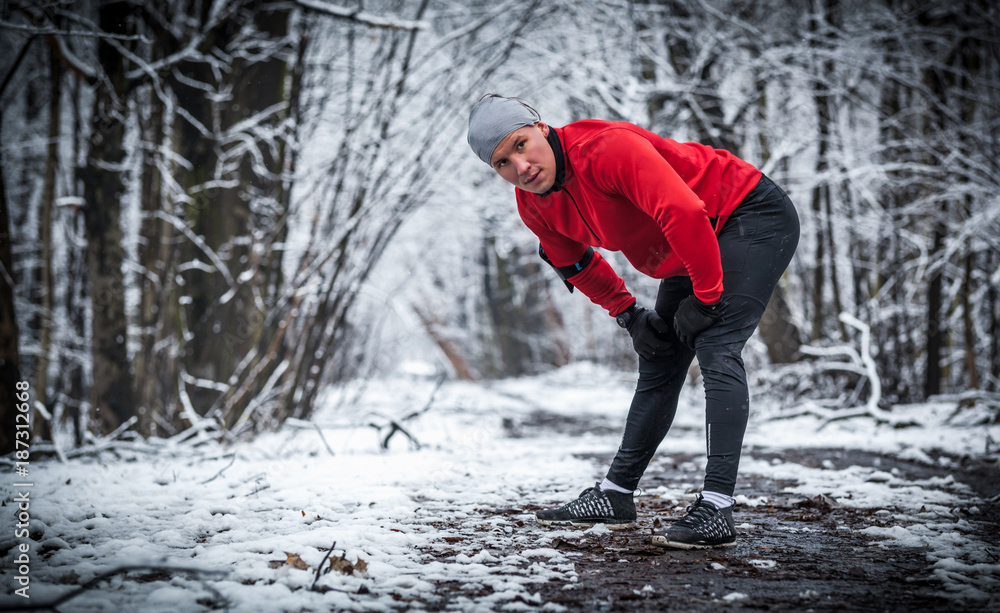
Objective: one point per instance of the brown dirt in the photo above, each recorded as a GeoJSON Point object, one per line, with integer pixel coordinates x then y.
{"type": "Point", "coordinates": [819, 566]}
{"type": "Point", "coordinates": [801, 555]}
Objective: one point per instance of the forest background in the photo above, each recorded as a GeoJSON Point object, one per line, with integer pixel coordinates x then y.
{"type": "Point", "coordinates": [213, 211]}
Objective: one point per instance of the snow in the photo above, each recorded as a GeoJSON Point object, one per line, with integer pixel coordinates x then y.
{"type": "Point", "coordinates": [445, 514]}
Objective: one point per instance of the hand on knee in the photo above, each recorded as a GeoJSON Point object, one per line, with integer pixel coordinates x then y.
{"type": "Point", "coordinates": [694, 317]}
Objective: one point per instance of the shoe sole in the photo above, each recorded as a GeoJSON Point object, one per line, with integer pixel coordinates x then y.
{"type": "Point", "coordinates": [556, 522]}
{"type": "Point", "coordinates": [661, 541]}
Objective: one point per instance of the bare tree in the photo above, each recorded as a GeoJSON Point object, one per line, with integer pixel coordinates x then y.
{"type": "Point", "coordinates": [104, 189]}
{"type": "Point", "coordinates": [10, 372]}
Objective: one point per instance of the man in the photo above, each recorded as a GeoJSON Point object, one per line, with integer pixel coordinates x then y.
{"type": "Point", "coordinates": [715, 230]}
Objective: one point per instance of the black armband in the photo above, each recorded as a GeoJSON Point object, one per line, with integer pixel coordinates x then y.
{"type": "Point", "coordinates": [567, 272]}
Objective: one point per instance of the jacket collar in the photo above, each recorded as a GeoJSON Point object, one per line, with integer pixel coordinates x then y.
{"type": "Point", "coordinates": [557, 149]}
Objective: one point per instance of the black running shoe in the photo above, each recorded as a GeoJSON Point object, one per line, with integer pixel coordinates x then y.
{"type": "Point", "coordinates": [594, 506]}
{"type": "Point", "coordinates": [704, 527]}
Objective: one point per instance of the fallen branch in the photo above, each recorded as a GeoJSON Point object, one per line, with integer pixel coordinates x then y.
{"type": "Point", "coordinates": [859, 362]}
{"type": "Point", "coordinates": [969, 399]}
{"type": "Point", "coordinates": [185, 570]}
{"type": "Point", "coordinates": [395, 425]}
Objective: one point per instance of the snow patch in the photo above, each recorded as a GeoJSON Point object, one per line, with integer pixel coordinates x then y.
{"type": "Point", "coordinates": [756, 501]}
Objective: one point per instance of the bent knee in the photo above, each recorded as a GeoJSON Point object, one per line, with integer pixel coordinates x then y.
{"type": "Point", "coordinates": [721, 362]}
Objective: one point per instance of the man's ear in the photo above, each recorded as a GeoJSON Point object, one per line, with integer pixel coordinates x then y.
{"type": "Point", "coordinates": [544, 127]}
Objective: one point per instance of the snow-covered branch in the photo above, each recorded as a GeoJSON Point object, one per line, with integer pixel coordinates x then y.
{"type": "Point", "coordinates": [41, 31]}
{"type": "Point", "coordinates": [866, 358]}
{"type": "Point", "coordinates": [200, 243]}
{"type": "Point", "coordinates": [75, 63]}
{"type": "Point", "coordinates": [368, 19]}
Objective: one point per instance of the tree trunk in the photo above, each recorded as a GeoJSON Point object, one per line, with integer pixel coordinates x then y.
{"type": "Point", "coordinates": [822, 208]}
{"type": "Point", "coordinates": [156, 363]}
{"type": "Point", "coordinates": [504, 313]}
{"type": "Point", "coordinates": [777, 330]}
{"type": "Point", "coordinates": [10, 359]}
{"type": "Point", "coordinates": [886, 260]}
{"type": "Point", "coordinates": [933, 122]}
{"type": "Point", "coordinates": [71, 367]}
{"type": "Point", "coordinates": [452, 351]}
{"type": "Point", "coordinates": [46, 288]}
{"type": "Point", "coordinates": [818, 278]}
{"type": "Point", "coordinates": [10, 373]}
{"type": "Point", "coordinates": [935, 332]}
{"type": "Point", "coordinates": [969, 337]}
{"type": "Point", "coordinates": [993, 303]}
{"type": "Point", "coordinates": [104, 188]}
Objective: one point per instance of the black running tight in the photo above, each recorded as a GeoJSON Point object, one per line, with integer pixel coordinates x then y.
{"type": "Point", "coordinates": [756, 245]}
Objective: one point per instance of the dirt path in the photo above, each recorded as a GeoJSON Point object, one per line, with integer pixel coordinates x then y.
{"type": "Point", "coordinates": [800, 555]}
{"type": "Point", "coordinates": [794, 553]}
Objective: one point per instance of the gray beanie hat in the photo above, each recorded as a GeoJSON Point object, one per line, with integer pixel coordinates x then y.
{"type": "Point", "coordinates": [492, 119]}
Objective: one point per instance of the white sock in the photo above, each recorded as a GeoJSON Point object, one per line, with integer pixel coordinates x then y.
{"type": "Point", "coordinates": [614, 487]}
{"type": "Point", "coordinates": [721, 501]}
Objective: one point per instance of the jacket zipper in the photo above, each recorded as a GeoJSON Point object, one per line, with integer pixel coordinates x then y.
{"type": "Point", "coordinates": [580, 213]}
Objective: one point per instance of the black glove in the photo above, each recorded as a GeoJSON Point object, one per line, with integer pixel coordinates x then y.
{"type": "Point", "coordinates": [694, 317]}
{"type": "Point", "coordinates": [649, 333]}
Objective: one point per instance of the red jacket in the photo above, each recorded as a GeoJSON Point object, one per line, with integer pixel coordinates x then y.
{"type": "Point", "coordinates": [652, 198]}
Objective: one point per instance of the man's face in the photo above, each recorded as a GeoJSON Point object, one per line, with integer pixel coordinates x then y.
{"type": "Point", "coordinates": [525, 159]}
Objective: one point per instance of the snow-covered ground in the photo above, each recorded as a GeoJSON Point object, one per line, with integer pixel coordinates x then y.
{"type": "Point", "coordinates": [248, 525]}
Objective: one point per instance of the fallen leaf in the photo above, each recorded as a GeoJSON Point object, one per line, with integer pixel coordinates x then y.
{"type": "Point", "coordinates": [295, 561]}
{"type": "Point", "coordinates": [361, 566]}
{"type": "Point", "coordinates": [342, 565]}
{"type": "Point", "coordinates": [303, 513]}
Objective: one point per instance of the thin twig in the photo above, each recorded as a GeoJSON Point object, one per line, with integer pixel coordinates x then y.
{"type": "Point", "coordinates": [430, 400]}
{"type": "Point", "coordinates": [323, 438]}
{"type": "Point", "coordinates": [120, 429]}
{"type": "Point", "coordinates": [319, 569]}
{"type": "Point", "coordinates": [219, 474]}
